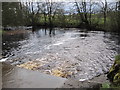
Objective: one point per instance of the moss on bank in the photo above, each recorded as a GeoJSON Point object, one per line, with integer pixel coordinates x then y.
{"type": "Point", "coordinates": [114, 72]}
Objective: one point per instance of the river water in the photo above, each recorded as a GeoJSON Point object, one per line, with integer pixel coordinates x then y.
{"type": "Point", "coordinates": [85, 54]}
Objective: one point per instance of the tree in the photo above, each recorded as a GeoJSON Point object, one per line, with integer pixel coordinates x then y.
{"type": "Point", "coordinates": [104, 11]}
{"type": "Point", "coordinates": [12, 14]}
{"type": "Point", "coordinates": [84, 12]}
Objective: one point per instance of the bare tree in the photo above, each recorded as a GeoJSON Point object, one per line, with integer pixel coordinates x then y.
{"type": "Point", "coordinates": [104, 7]}
{"type": "Point", "coordinates": [84, 12]}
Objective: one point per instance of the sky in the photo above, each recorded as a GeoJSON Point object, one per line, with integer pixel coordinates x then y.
{"type": "Point", "coordinates": [57, 0]}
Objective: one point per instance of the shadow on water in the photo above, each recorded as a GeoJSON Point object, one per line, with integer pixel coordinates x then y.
{"type": "Point", "coordinates": [10, 40]}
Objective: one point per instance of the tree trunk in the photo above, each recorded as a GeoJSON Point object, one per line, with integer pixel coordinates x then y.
{"type": "Point", "coordinates": [33, 23]}
{"type": "Point", "coordinates": [90, 13]}
{"type": "Point", "coordinates": [105, 12]}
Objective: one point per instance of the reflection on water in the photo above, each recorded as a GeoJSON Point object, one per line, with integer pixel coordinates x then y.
{"type": "Point", "coordinates": [84, 53]}
{"type": "Point", "coordinates": [10, 41]}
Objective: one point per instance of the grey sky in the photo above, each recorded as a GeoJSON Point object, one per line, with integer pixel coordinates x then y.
{"type": "Point", "coordinates": [57, 0]}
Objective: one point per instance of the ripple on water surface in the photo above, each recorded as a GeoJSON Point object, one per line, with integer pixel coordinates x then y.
{"type": "Point", "coordinates": [79, 54]}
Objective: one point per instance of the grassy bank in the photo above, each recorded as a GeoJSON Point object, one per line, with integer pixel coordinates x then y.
{"type": "Point", "coordinates": [114, 75]}
{"type": "Point", "coordinates": [74, 21]}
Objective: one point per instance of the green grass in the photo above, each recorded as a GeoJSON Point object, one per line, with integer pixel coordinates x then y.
{"type": "Point", "coordinates": [117, 57]}
{"type": "Point", "coordinates": [2, 31]}
{"type": "Point", "coordinates": [100, 20]}
{"type": "Point", "coordinates": [105, 85]}
{"type": "Point", "coordinates": [108, 86]}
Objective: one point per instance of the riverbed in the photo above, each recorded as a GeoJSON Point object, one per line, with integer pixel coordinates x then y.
{"type": "Point", "coordinates": [70, 53]}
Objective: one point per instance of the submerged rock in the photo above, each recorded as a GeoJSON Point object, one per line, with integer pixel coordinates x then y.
{"type": "Point", "coordinates": [32, 65]}
{"type": "Point", "coordinates": [59, 71]}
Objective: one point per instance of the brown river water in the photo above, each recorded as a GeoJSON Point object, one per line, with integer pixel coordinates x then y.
{"type": "Point", "coordinates": [71, 53]}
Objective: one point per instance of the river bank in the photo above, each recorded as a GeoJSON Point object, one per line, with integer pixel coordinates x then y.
{"type": "Point", "coordinates": [14, 77]}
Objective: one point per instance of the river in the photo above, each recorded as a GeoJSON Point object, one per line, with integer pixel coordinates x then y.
{"type": "Point", "coordinates": [85, 54]}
